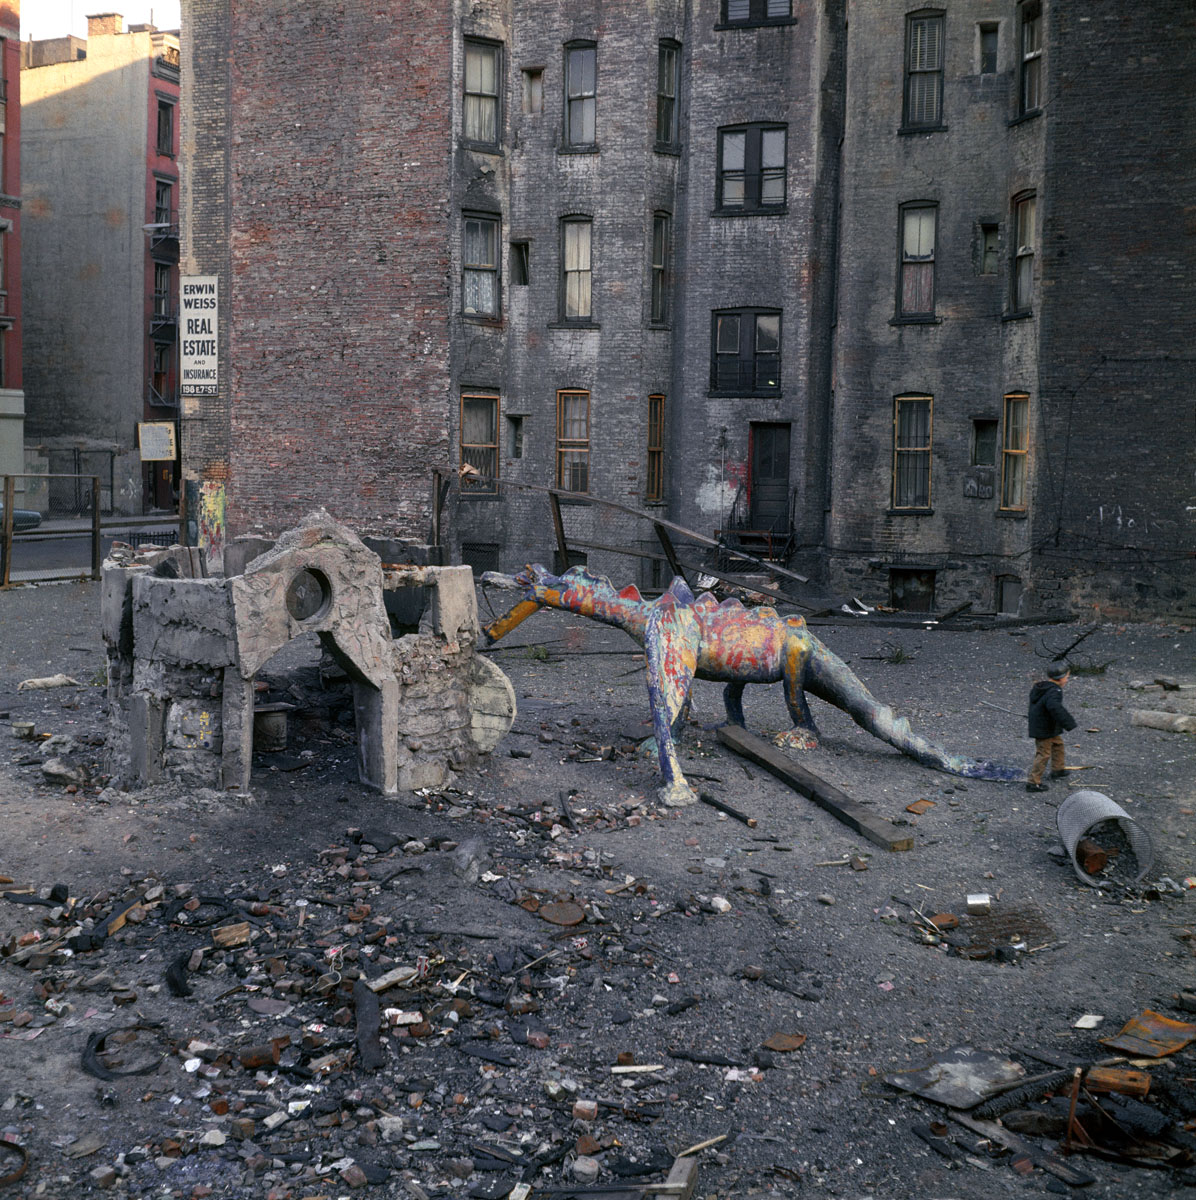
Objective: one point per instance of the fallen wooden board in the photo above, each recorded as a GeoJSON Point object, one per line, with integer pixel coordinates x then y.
{"type": "Point", "coordinates": [838, 804]}
{"type": "Point", "coordinates": [1040, 1158]}
{"type": "Point", "coordinates": [682, 1180]}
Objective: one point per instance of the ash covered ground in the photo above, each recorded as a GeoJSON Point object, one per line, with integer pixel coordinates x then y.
{"type": "Point", "coordinates": [546, 927]}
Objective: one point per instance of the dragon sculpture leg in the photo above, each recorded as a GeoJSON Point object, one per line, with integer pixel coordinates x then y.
{"type": "Point", "coordinates": [671, 641]}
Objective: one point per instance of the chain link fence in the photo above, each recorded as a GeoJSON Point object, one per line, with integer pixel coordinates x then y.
{"type": "Point", "coordinates": [52, 526]}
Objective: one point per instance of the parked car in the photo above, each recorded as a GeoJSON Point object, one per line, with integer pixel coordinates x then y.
{"type": "Point", "coordinates": [22, 518]}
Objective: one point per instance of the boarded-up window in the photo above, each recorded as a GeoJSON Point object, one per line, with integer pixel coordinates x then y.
{"type": "Point", "coordinates": [654, 489]}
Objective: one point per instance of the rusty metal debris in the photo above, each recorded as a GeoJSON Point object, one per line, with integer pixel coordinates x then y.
{"type": "Point", "coordinates": [1152, 1035]}
{"type": "Point", "coordinates": [18, 1171]}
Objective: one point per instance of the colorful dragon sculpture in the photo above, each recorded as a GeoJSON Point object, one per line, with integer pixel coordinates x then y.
{"type": "Point", "coordinates": [687, 638]}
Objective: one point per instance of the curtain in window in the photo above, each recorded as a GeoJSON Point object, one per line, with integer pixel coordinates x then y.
{"type": "Point", "coordinates": [917, 253]}
{"type": "Point", "coordinates": [577, 270]}
{"type": "Point", "coordinates": [481, 268]}
{"type": "Point", "coordinates": [481, 94]}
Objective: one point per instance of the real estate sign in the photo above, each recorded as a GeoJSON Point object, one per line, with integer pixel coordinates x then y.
{"type": "Point", "coordinates": [199, 308]}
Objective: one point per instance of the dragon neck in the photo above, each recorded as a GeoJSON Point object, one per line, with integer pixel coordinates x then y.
{"type": "Point", "coordinates": [594, 596]}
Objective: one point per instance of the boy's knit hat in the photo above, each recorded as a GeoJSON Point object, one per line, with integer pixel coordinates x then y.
{"type": "Point", "coordinates": [1058, 669]}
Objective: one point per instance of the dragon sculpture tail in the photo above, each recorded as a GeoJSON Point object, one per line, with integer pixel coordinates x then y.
{"type": "Point", "coordinates": [829, 678]}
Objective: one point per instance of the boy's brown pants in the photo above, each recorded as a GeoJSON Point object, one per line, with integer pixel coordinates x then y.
{"type": "Point", "coordinates": [1046, 749]}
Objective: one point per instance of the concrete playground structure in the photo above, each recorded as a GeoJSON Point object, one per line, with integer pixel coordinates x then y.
{"type": "Point", "coordinates": [184, 652]}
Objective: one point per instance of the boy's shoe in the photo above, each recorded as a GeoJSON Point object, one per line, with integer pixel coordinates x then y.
{"type": "Point", "coordinates": [1037, 787]}
{"type": "Point", "coordinates": [1058, 774]}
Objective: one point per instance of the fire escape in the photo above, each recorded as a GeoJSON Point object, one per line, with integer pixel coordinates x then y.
{"type": "Point", "coordinates": [162, 391]}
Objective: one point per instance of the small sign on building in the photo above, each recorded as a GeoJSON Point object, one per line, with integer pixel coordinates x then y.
{"type": "Point", "coordinates": [199, 308]}
{"type": "Point", "coordinates": [157, 441]}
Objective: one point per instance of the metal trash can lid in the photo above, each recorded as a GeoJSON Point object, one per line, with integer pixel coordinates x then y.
{"type": "Point", "coordinates": [1082, 812]}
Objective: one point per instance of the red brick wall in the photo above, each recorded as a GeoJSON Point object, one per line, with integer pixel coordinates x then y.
{"type": "Point", "coordinates": [337, 306]}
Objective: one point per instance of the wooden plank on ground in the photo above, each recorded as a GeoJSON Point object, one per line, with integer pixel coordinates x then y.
{"type": "Point", "coordinates": [838, 804]}
{"type": "Point", "coordinates": [682, 1180]}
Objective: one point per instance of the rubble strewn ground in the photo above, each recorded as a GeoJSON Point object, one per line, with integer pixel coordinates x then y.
{"type": "Point", "coordinates": [573, 985]}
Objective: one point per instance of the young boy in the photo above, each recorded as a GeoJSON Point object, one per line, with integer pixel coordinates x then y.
{"type": "Point", "coordinates": [1048, 719]}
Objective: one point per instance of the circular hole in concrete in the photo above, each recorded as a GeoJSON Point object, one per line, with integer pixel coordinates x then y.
{"type": "Point", "coordinates": [308, 594]}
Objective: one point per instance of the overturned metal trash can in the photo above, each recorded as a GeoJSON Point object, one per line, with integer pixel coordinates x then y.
{"type": "Point", "coordinates": [1084, 812]}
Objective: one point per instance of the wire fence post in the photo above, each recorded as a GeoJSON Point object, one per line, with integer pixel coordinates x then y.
{"type": "Point", "coordinates": [95, 527]}
{"type": "Point", "coordinates": [6, 530]}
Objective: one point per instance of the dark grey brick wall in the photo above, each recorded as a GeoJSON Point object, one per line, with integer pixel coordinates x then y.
{"type": "Point", "coordinates": [968, 357]}
{"type": "Point", "coordinates": [1115, 521]}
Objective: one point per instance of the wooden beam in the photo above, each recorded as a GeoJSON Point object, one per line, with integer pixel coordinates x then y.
{"type": "Point", "coordinates": [690, 534]}
{"type": "Point", "coordinates": [838, 804]}
{"type": "Point", "coordinates": [558, 525]}
{"type": "Point", "coordinates": [680, 1184]}
{"type": "Point", "coordinates": [666, 544]}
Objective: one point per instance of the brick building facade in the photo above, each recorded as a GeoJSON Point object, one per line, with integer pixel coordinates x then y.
{"type": "Point", "coordinates": [12, 396]}
{"type": "Point", "coordinates": [779, 267]}
{"type": "Point", "coordinates": [100, 161]}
